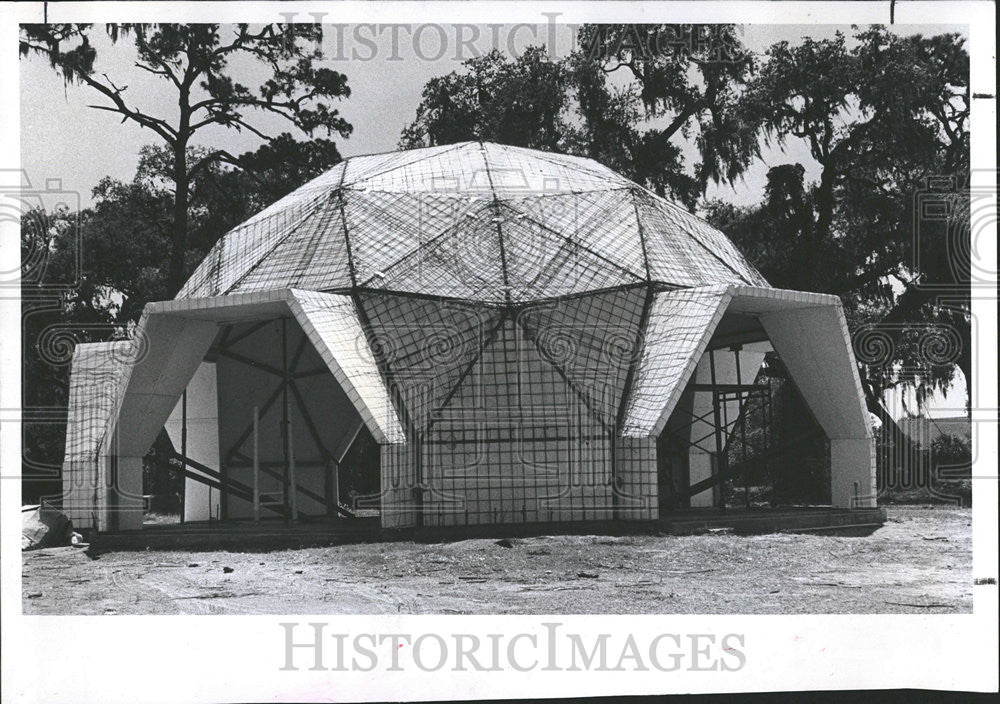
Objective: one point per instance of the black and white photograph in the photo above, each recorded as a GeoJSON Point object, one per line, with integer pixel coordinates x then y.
{"type": "Point", "coordinates": [475, 350]}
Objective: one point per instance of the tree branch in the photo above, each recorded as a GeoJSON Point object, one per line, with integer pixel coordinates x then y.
{"type": "Point", "coordinates": [218, 155]}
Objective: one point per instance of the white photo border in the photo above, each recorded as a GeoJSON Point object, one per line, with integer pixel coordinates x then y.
{"type": "Point", "coordinates": [239, 658]}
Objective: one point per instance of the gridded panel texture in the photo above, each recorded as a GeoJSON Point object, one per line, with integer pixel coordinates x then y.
{"type": "Point", "coordinates": [550, 471]}
{"type": "Point", "coordinates": [592, 340]}
{"type": "Point", "coordinates": [511, 378]}
{"type": "Point", "coordinates": [682, 252]}
{"type": "Point", "coordinates": [518, 172]}
{"type": "Point", "coordinates": [603, 222]}
{"type": "Point", "coordinates": [542, 264]}
{"type": "Point", "coordinates": [674, 256]}
{"type": "Point", "coordinates": [81, 500]}
{"type": "Point", "coordinates": [516, 443]}
{"type": "Point", "coordinates": [507, 172]}
{"type": "Point", "coordinates": [93, 388]}
{"type": "Point", "coordinates": [636, 471]}
{"type": "Point", "coordinates": [716, 242]}
{"type": "Point", "coordinates": [398, 503]}
{"type": "Point", "coordinates": [449, 167]}
{"type": "Point", "coordinates": [422, 221]}
{"type": "Point", "coordinates": [331, 323]}
{"type": "Point", "coordinates": [243, 248]}
{"type": "Point", "coordinates": [679, 327]}
{"type": "Point", "coordinates": [462, 262]}
{"type": "Point", "coordinates": [425, 347]}
{"type": "Point", "coordinates": [312, 256]}
{"type": "Point", "coordinates": [388, 230]}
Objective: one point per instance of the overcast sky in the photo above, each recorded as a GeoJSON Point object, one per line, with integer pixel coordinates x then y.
{"type": "Point", "coordinates": [62, 138]}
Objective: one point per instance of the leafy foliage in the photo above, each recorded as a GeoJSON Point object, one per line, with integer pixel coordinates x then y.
{"type": "Point", "coordinates": [512, 101]}
{"type": "Point", "coordinates": [882, 117]}
{"type": "Point", "coordinates": [682, 84]}
{"type": "Point", "coordinates": [689, 78]}
{"type": "Point", "coordinates": [195, 62]}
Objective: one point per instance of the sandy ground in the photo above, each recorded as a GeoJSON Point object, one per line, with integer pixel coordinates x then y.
{"type": "Point", "coordinates": [919, 562]}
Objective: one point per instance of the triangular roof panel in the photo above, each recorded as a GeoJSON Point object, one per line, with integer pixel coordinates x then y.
{"type": "Point", "coordinates": [390, 206]}
{"type": "Point", "coordinates": [331, 323]}
{"type": "Point", "coordinates": [679, 326]}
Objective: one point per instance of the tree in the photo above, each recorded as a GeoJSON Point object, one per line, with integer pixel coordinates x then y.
{"type": "Point", "coordinates": [518, 101]}
{"type": "Point", "coordinates": [681, 84]}
{"type": "Point", "coordinates": [932, 73]}
{"type": "Point", "coordinates": [882, 118]}
{"type": "Point", "coordinates": [688, 79]}
{"type": "Point", "coordinates": [194, 62]}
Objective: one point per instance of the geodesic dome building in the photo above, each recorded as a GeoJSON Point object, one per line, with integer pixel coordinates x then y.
{"type": "Point", "coordinates": [517, 330]}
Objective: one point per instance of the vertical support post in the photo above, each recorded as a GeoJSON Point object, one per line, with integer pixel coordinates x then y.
{"type": "Point", "coordinates": [717, 419]}
{"type": "Point", "coordinates": [293, 489]}
{"type": "Point", "coordinates": [612, 445]}
{"type": "Point", "coordinates": [114, 501]}
{"type": "Point", "coordinates": [418, 449]}
{"type": "Point", "coordinates": [284, 410]}
{"type": "Point", "coordinates": [332, 488]}
{"type": "Point", "coordinates": [256, 465]}
{"type": "Point", "coordinates": [769, 440]}
{"type": "Point", "coordinates": [743, 426]}
{"type": "Point", "coordinates": [223, 513]}
{"type": "Point", "coordinates": [184, 452]}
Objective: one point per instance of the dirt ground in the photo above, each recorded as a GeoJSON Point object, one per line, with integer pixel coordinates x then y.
{"type": "Point", "coordinates": [919, 562]}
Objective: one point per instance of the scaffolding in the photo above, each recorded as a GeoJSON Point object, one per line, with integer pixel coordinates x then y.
{"type": "Point", "coordinates": [726, 426]}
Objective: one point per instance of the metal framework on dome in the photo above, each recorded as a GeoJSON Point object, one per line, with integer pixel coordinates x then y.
{"type": "Point", "coordinates": [514, 328]}
{"type": "Point", "coordinates": [472, 221]}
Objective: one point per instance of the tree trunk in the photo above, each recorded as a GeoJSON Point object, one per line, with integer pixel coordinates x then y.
{"type": "Point", "coordinates": [179, 232]}
{"type": "Point", "coordinates": [824, 222]}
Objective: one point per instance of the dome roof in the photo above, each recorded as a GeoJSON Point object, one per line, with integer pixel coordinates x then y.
{"type": "Point", "coordinates": [475, 221]}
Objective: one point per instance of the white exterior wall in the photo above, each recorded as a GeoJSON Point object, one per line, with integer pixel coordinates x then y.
{"type": "Point", "coordinates": [127, 493]}
{"type": "Point", "coordinates": [850, 485]}
{"type": "Point", "coordinates": [201, 502]}
{"type": "Point", "coordinates": [635, 467]}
